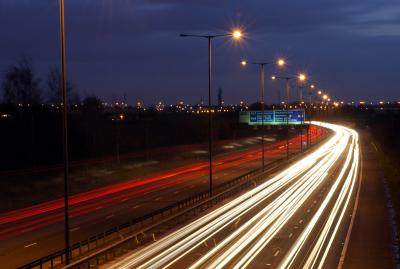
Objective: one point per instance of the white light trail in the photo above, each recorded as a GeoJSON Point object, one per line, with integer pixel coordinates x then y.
{"type": "Point", "coordinates": [271, 206]}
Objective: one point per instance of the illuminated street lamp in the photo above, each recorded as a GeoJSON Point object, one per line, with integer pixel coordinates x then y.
{"type": "Point", "coordinates": [312, 87]}
{"type": "Point", "coordinates": [280, 63]}
{"type": "Point", "coordinates": [235, 34]}
{"type": "Point", "coordinates": [300, 77]}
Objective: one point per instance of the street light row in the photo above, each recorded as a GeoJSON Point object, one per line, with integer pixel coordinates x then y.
{"type": "Point", "coordinates": [238, 35]}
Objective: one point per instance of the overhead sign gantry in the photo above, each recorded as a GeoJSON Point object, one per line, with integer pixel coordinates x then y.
{"type": "Point", "coordinates": [273, 117]}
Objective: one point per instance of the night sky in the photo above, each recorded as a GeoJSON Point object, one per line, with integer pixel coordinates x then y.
{"type": "Point", "coordinates": [348, 47]}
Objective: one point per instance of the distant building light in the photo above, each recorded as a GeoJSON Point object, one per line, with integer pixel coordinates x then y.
{"type": "Point", "coordinates": [5, 116]}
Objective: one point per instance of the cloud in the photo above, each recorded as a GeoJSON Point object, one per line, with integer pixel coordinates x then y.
{"type": "Point", "coordinates": [119, 45]}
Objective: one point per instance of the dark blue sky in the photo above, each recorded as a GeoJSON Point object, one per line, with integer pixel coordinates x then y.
{"type": "Point", "coordinates": [349, 47]}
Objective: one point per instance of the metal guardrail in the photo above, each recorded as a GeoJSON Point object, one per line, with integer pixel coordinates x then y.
{"type": "Point", "coordinates": [123, 237]}
{"type": "Point", "coordinates": [108, 237]}
{"type": "Point", "coordinates": [151, 232]}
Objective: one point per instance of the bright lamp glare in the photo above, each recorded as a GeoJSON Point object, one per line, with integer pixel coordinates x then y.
{"type": "Point", "coordinates": [302, 77]}
{"type": "Point", "coordinates": [237, 34]}
{"type": "Point", "coordinates": [244, 63]}
{"type": "Point", "coordinates": [281, 62]}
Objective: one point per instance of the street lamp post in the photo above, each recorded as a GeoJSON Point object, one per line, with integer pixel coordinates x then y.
{"type": "Point", "coordinates": [279, 62]}
{"type": "Point", "coordinates": [64, 129]}
{"type": "Point", "coordinates": [307, 108]}
{"type": "Point", "coordinates": [300, 77]}
{"type": "Point", "coordinates": [310, 109]}
{"type": "Point", "coordinates": [235, 35]}
{"type": "Point", "coordinates": [287, 87]}
{"type": "Point", "coordinates": [301, 87]}
{"type": "Point", "coordinates": [312, 87]}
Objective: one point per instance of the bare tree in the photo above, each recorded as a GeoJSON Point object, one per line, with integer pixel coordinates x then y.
{"type": "Point", "coordinates": [54, 94]}
{"type": "Point", "coordinates": [20, 85]}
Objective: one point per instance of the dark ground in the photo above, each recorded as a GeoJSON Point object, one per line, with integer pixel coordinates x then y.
{"type": "Point", "coordinates": [371, 239]}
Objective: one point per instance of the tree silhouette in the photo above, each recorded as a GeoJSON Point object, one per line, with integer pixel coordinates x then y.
{"type": "Point", "coordinates": [20, 85]}
{"type": "Point", "coordinates": [54, 92]}
{"type": "Point", "coordinates": [92, 104]}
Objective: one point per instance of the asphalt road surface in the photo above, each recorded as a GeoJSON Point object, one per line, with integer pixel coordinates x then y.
{"type": "Point", "coordinates": [298, 218]}
{"type": "Point", "coordinates": [30, 233]}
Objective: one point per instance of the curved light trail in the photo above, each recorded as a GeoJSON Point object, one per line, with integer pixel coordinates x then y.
{"type": "Point", "coordinates": [39, 216]}
{"type": "Point", "coordinates": [266, 211]}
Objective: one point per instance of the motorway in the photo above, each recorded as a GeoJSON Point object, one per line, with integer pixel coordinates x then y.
{"type": "Point", "coordinates": [30, 233]}
{"type": "Point", "coordinates": [298, 218]}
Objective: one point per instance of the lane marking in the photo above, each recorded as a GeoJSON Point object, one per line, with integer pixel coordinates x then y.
{"type": "Point", "coordinates": [237, 222]}
{"type": "Point", "coordinates": [157, 199]}
{"type": "Point", "coordinates": [376, 148]}
{"type": "Point", "coordinates": [110, 216]}
{"type": "Point", "coordinates": [301, 221]}
{"type": "Point", "coordinates": [74, 229]}
{"type": "Point", "coordinates": [290, 235]}
{"type": "Point", "coordinates": [347, 240]}
{"type": "Point", "coordinates": [136, 206]}
{"type": "Point", "coordinates": [30, 245]}
{"type": "Point", "coordinates": [277, 253]}
{"type": "Point", "coordinates": [99, 207]}
{"type": "Point", "coordinates": [123, 200]}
